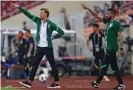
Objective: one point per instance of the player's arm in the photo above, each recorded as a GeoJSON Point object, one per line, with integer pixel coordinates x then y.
{"type": "Point", "coordinates": [119, 32]}
{"type": "Point", "coordinates": [121, 43]}
{"type": "Point", "coordinates": [28, 14]}
{"type": "Point", "coordinates": [88, 42]}
{"type": "Point", "coordinates": [57, 29]}
{"type": "Point", "coordinates": [120, 39]}
{"type": "Point", "coordinates": [95, 14]}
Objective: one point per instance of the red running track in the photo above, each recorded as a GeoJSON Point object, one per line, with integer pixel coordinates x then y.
{"type": "Point", "coordinates": [72, 83]}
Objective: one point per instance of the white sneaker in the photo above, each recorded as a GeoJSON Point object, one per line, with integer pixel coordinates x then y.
{"type": "Point", "coordinates": [106, 78]}
{"type": "Point", "coordinates": [120, 87]}
{"type": "Point", "coordinates": [36, 77]}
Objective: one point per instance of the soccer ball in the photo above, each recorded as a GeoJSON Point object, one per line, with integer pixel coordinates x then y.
{"type": "Point", "coordinates": [43, 78]}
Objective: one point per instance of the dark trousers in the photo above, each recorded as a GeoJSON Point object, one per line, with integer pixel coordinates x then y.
{"type": "Point", "coordinates": [21, 59]}
{"type": "Point", "coordinates": [110, 59]}
{"type": "Point", "coordinates": [28, 65]}
{"type": "Point", "coordinates": [99, 56]}
{"type": "Point", "coordinates": [40, 52]}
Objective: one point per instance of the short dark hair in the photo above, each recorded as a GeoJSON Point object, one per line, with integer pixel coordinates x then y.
{"type": "Point", "coordinates": [28, 31]}
{"type": "Point", "coordinates": [21, 32]}
{"type": "Point", "coordinates": [112, 10]}
{"type": "Point", "coordinates": [95, 25]}
{"type": "Point", "coordinates": [46, 11]}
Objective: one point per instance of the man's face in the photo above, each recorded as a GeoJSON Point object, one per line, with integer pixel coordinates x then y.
{"type": "Point", "coordinates": [43, 15]}
{"type": "Point", "coordinates": [95, 29]}
{"type": "Point", "coordinates": [19, 36]}
{"type": "Point", "coordinates": [109, 15]}
{"type": "Point", "coordinates": [26, 34]}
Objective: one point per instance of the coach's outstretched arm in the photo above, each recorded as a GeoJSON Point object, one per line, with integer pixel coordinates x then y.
{"type": "Point", "coordinates": [29, 15]}
{"type": "Point", "coordinates": [95, 14]}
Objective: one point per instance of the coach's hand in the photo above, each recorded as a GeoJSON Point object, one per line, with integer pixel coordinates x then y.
{"type": "Point", "coordinates": [52, 38]}
{"type": "Point", "coordinates": [14, 5]}
{"type": "Point", "coordinates": [84, 6]}
{"type": "Point", "coordinates": [90, 49]}
{"type": "Point", "coordinates": [122, 53]}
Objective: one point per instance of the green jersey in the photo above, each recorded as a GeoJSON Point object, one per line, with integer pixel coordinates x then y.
{"type": "Point", "coordinates": [111, 36]}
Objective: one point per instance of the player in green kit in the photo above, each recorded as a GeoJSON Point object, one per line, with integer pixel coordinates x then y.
{"type": "Point", "coordinates": [112, 32]}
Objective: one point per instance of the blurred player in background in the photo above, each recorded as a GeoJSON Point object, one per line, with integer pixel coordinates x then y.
{"type": "Point", "coordinates": [25, 27]}
{"type": "Point", "coordinates": [30, 48]}
{"type": "Point", "coordinates": [21, 47]}
{"type": "Point", "coordinates": [112, 32]}
{"type": "Point", "coordinates": [98, 47]}
{"type": "Point", "coordinates": [45, 27]}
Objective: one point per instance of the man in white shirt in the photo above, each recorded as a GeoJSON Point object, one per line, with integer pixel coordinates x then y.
{"type": "Point", "coordinates": [45, 27]}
